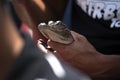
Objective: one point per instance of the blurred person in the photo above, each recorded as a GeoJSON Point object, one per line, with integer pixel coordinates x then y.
{"type": "Point", "coordinates": [20, 59]}
{"type": "Point", "coordinates": [32, 12]}
{"type": "Point", "coordinates": [96, 48]}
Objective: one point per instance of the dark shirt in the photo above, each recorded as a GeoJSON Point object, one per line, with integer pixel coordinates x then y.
{"type": "Point", "coordinates": [32, 64]}
{"type": "Point", "coordinates": [98, 21]}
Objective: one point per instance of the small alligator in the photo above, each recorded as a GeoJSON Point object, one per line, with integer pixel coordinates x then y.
{"type": "Point", "coordinates": [56, 31]}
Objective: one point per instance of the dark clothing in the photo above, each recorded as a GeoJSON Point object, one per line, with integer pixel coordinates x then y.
{"type": "Point", "coordinates": [32, 64]}
{"type": "Point", "coordinates": [104, 39]}
{"type": "Point", "coordinates": [99, 22]}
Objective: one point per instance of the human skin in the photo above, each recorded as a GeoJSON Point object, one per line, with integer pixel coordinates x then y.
{"type": "Point", "coordinates": [11, 43]}
{"type": "Point", "coordinates": [33, 12]}
{"type": "Point", "coordinates": [80, 54]}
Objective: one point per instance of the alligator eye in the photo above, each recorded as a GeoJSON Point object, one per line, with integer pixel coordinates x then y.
{"type": "Point", "coordinates": [50, 22]}
{"type": "Point", "coordinates": [42, 24]}
{"type": "Point", "coordinates": [58, 23]}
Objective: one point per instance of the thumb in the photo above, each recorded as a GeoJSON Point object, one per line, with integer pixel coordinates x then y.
{"type": "Point", "coordinates": [78, 36]}
{"type": "Point", "coordinates": [56, 46]}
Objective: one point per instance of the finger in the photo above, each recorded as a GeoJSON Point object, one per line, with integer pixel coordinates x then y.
{"type": "Point", "coordinates": [55, 45]}
{"type": "Point", "coordinates": [77, 36]}
{"type": "Point", "coordinates": [41, 47]}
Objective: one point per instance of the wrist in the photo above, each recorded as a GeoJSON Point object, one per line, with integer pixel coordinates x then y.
{"type": "Point", "coordinates": [108, 66]}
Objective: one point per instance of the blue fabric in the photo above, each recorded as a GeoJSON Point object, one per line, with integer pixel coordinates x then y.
{"type": "Point", "coordinates": [67, 14]}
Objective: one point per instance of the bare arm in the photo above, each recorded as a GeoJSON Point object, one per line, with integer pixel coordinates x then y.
{"type": "Point", "coordinates": [11, 44]}
{"type": "Point", "coordinates": [82, 55]}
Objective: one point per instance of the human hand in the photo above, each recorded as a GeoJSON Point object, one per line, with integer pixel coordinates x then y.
{"type": "Point", "coordinates": [79, 46]}
{"type": "Point", "coordinates": [80, 54]}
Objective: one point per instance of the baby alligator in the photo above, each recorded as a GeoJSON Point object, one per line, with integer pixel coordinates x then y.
{"type": "Point", "coordinates": [56, 31]}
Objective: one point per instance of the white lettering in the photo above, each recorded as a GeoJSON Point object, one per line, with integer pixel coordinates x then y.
{"type": "Point", "coordinates": [97, 11]}
{"type": "Point", "coordinates": [90, 9]}
{"type": "Point", "coordinates": [109, 12]}
{"type": "Point", "coordinates": [118, 13]}
{"type": "Point", "coordinates": [115, 23]}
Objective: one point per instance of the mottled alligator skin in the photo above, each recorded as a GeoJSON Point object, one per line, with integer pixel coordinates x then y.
{"type": "Point", "coordinates": [56, 31]}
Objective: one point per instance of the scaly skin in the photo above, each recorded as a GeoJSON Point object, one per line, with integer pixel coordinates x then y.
{"type": "Point", "coordinates": [56, 31]}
